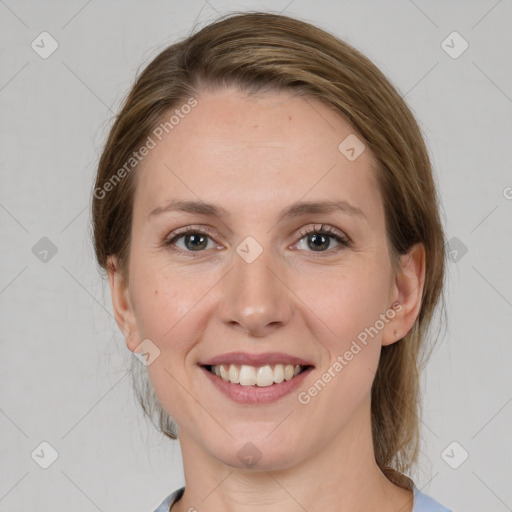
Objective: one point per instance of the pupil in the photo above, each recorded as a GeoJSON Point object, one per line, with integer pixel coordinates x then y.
{"type": "Point", "coordinates": [324, 243]}
{"type": "Point", "coordinates": [194, 239]}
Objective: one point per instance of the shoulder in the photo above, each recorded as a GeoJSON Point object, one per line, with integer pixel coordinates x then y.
{"type": "Point", "coordinates": [170, 500]}
{"type": "Point", "coordinates": [424, 503]}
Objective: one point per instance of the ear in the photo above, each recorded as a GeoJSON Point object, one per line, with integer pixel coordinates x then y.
{"type": "Point", "coordinates": [406, 294]}
{"type": "Point", "coordinates": [123, 309]}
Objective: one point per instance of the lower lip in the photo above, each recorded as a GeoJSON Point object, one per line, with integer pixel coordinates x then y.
{"type": "Point", "coordinates": [256, 395]}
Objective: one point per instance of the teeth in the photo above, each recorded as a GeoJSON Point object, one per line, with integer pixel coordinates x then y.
{"type": "Point", "coordinates": [223, 373]}
{"type": "Point", "coordinates": [256, 376]}
{"type": "Point", "coordinates": [278, 373]}
{"type": "Point", "coordinates": [265, 376]}
{"type": "Point", "coordinates": [234, 374]}
{"type": "Point", "coordinates": [247, 375]}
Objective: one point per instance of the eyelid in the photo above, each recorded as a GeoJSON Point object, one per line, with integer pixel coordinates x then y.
{"type": "Point", "coordinates": [324, 228]}
{"type": "Point", "coordinates": [343, 240]}
{"type": "Point", "coordinates": [340, 236]}
{"type": "Point", "coordinates": [193, 229]}
{"type": "Point", "coordinates": [169, 240]}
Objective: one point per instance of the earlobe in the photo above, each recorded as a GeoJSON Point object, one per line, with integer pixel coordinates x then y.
{"type": "Point", "coordinates": [407, 291]}
{"type": "Point", "coordinates": [123, 310]}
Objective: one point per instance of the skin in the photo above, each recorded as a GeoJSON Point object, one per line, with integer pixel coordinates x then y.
{"type": "Point", "coordinates": [253, 156]}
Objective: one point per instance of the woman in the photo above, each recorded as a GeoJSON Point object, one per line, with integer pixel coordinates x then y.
{"type": "Point", "coordinates": [267, 216]}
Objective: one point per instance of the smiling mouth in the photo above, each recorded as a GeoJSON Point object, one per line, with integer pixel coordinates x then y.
{"type": "Point", "coordinates": [262, 376]}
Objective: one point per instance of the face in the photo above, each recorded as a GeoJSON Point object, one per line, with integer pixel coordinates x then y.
{"type": "Point", "coordinates": [289, 257]}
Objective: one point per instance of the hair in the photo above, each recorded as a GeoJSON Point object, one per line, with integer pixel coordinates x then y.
{"type": "Point", "coordinates": [258, 52]}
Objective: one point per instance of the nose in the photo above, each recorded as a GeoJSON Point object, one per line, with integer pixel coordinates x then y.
{"type": "Point", "coordinates": [255, 298]}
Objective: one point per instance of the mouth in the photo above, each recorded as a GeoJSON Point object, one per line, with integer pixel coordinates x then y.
{"type": "Point", "coordinates": [256, 376]}
{"type": "Point", "coordinates": [250, 385]}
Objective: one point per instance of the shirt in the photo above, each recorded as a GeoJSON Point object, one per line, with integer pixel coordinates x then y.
{"type": "Point", "coordinates": [422, 502]}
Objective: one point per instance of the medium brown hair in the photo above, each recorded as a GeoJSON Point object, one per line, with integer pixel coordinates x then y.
{"type": "Point", "coordinates": [261, 51]}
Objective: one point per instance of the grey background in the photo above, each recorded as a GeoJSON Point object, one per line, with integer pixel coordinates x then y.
{"type": "Point", "coordinates": [63, 370]}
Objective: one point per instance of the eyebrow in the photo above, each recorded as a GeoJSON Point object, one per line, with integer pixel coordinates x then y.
{"type": "Point", "coordinates": [295, 210]}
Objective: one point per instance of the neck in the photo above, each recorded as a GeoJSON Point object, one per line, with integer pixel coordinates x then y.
{"type": "Point", "coordinates": [339, 474]}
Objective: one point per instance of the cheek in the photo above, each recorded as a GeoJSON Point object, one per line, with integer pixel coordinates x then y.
{"type": "Point", "coordinates": [164, 296]}
{"type": "Point", "coordinates": [347, 302]}
{"type": "Point", "coordinates": [346, 316]}
{"type": "Point", "coordinates": [344, 319]}
{"type": "Point", "coordinates": [170, 313]}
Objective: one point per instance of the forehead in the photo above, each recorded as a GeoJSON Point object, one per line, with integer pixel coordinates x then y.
{"type": "Point", "coordinates": [257, 150]}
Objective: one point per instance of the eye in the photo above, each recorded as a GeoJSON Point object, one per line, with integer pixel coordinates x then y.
{"type": "Point", "coordinates": [319, 239]}
{"type": "Point", "coordinates": [192, 240]}
{"type": "Point", "coordinates": [195, 240]}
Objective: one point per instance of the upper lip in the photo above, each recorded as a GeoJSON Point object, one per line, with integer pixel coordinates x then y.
{"type": "Point", "coordinates": [256, 359]}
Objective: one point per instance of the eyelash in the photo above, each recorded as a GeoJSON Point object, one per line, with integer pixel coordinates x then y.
{"type": "Point", "coordinates": [345, 242]}
{"type": "Point", "coordinates": [325, 229]}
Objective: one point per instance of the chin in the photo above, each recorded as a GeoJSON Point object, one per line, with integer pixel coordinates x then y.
{"type": "Point", "coordinates": [259, 452]}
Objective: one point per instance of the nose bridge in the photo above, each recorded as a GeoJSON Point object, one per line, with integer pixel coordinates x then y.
{"type": "Point", "coordinates": [254, 298]}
